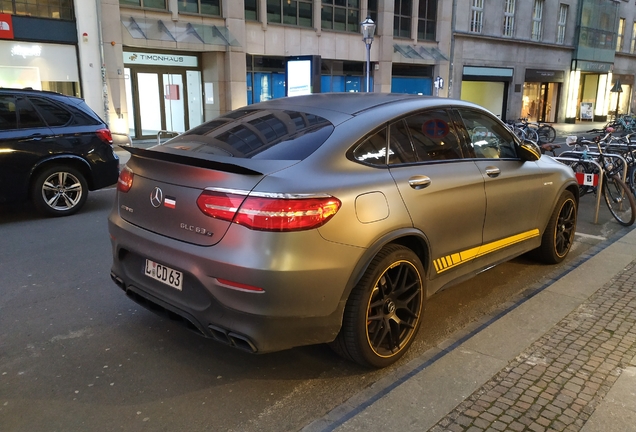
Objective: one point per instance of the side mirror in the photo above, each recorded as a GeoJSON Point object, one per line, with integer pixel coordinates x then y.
{"type": "Point", "coordinates": [529, 151]}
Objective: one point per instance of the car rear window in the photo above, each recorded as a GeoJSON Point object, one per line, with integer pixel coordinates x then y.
{"type": "Point", "coordinates": [257, 134]}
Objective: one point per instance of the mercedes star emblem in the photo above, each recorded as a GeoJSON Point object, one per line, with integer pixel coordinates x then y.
{"type": "Point", "coordinates": [156, 197]}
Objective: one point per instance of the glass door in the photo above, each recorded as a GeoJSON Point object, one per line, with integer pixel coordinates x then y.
{"type": "Point", "coordinates": [149, 103]}
{"type": "Point", "coordinates": [175, 116]}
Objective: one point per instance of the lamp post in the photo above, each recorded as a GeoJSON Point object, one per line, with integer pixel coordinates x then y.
{"type": "Point", "coordinates": [618, 89]}
{"type": "Point", "coordinates": [367, 27]}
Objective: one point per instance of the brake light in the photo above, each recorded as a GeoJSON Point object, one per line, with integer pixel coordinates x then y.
{"type": "Point", "coordinates": [125, 181]}
{"type": "Point", "coordinates": [265, 213]}
{"type": "Point", "coordinates": [105, 135]}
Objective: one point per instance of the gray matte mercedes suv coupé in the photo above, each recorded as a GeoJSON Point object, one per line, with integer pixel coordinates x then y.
{"type": "Point", "coordinates": [331, 218]}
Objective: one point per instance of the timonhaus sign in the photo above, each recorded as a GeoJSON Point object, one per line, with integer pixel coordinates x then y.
{"type": "Point", "coordinates": [159, 59]}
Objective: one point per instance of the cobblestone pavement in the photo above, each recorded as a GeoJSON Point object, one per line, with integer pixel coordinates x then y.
{"type": "Point", "coordinates": [559, 380]}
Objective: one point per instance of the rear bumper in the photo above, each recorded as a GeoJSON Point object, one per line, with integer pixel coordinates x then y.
{"type": "Point", "coordinates": [304, 292]}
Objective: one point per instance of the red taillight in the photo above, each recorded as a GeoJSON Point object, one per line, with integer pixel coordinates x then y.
{"type": "Point", "coordinates": [105, 135]}
{"type": "Point", "coordinates": [240, 286]}
{"type": "Point", "coordinates": [269, 213]}
{"type": "Point", "coordinates": [125, 181]}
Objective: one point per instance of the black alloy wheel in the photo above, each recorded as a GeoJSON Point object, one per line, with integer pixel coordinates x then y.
{"type": "Point", "coordinates": [384, 311]}
{"type": "Point", "coordinates": [558, 236]}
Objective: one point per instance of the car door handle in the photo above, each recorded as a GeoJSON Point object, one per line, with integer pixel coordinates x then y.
{"type": "Point", "coordinates": [419, 182]}
{"type": "Point", "coordinates": [36, 136]}
{"type": "Point", "coordinates": [492, 171]}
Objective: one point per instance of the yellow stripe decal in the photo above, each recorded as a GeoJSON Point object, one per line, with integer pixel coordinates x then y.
{"type": "Point", "coordinates": [447, 262]}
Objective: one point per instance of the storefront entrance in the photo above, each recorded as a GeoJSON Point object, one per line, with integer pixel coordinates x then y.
{"type": "Point", "coordinates": [540, 101]}
{"type": "Point", "coordinates": [162, 99]}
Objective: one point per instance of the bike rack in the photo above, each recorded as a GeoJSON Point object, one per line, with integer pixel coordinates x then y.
{"type": "Point", "coordinates": [600, 178]}
{"type": "Point", "coordinates": [165, 132]}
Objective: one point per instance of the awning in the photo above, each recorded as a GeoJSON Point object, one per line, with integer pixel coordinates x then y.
{"type": "Point", "coordinates": [420, 53]}
{"type": "Point", "coordinates": [151, 29]}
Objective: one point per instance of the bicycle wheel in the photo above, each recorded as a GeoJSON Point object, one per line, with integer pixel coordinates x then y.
{"type": "Point", "coordinates": [531, 134]}
{"type": "Point", "coordinates": [631, 178]}
{"type": "Point", "coordinates": [547, 134]}
{"type": "Point", "coordinates": [619, 199]}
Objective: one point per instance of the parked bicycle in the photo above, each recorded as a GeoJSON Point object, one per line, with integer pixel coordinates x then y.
{"type": "Point", "coordinates": [539, 132]}
{"type": "Point", "coordinates": [617, 195]}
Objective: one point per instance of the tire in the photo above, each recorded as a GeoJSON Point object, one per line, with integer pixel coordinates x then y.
{"type": "Point", "coordinates": [59, 191]}
{"type": "Point", "coordinates": [531, 134]}
{"type": "Point", "coordinates": [559, 234]}
{"type": "Point", "coordinates": [383, 313]}
{"type": "Point", "coordinates": [620, 200]}
{"type": "Point", "coordinates": [547, 134]}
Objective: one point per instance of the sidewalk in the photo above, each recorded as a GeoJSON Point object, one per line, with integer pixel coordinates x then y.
{"type": "Point", "coordinates": [561, 359]}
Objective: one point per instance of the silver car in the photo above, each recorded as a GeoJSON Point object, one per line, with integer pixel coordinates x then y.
{"type": "Point", "coordinates": [331, 218]}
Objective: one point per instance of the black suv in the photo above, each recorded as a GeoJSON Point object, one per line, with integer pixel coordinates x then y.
{"type": "Point", "coordinates": [53, 150]}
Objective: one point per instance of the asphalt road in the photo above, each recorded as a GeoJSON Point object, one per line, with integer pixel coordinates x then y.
{"type": "Point", "coordinates": [76, 354]}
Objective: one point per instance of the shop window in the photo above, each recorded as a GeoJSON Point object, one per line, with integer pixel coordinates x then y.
{"type": "Point", "coordinates": [203, 7]}
{"type": "Point", "coordinates": [251, 10]}
{"type": "Point", "coordinates": [338, 15]}
{"type": "Point", "coordinates": [476, 16]}
{"type": "Point", "coordinates": [402, 18]}
{"type": "Point", "coordinates": [153, 4]}
{"type": "Point", "coordinates": [56, 9]}
{"type": "Point", "coordinates": [427, 20]}
{"type": "Point", "coordinates": [632, 49]}
{"type": "Point", "coordinates": [292, 12]}
{"type": "Point", "coordinates": [412, 85]}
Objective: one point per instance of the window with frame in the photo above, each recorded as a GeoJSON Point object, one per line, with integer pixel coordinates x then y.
{"type": "Point", "coordinates": [537, 17]}
{"type": "Point", "coordinates": [632, 49]}
{"type": "Point", "coordinates": [152, 4]}
{"type": "Point", "coordinates": [251, 10]}
{"type": "Point", "coordinates": [427, 20]}
{"type": "Point", "coordinates": [341, 15]}
{"type": "Point", "coordinates": [621, 35]}
{"type": "Point", "coordinates": [509, 18]}
{"type": "Point", "coordinates": [372, 10]}
{"type": "Point", "coordinates": [56, 9]}
{"type": "Point", "coordinates": [203, 7]}
{"type": "Point", "coordinates": [476, 16]}
{"type": "Point", "coordinates": [402, 18]}
{"type": "Point", "coordinates": [292, 12]}
{"type": "Point", "coordinates": [488, 138]}
{"type": "Point", "coordinates": [563, 19]}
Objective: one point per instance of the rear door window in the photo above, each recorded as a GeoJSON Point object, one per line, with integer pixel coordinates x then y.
{"type": "Point", "coordinates": [28, 117]}
{"type": "Point", "coordinates": [427, 136]}
{"type": "Point", "coordinates": [53, 114]}
{"type": "Point", "coordinates": [8, 113]}
{"type": "Point", "coordinates": [434, 136]}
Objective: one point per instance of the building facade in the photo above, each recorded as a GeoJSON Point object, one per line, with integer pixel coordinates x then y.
{"type": "Point", "coordinates": [168, 65]}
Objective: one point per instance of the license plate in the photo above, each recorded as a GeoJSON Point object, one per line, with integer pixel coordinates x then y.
{"type": "Point", "coordinates": [164, 274]}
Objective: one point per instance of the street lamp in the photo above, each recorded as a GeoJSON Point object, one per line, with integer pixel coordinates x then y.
{"type": "Point", "coordinates": [618, 89]}
{"type": "Point", "coordinates": [367, 27]}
